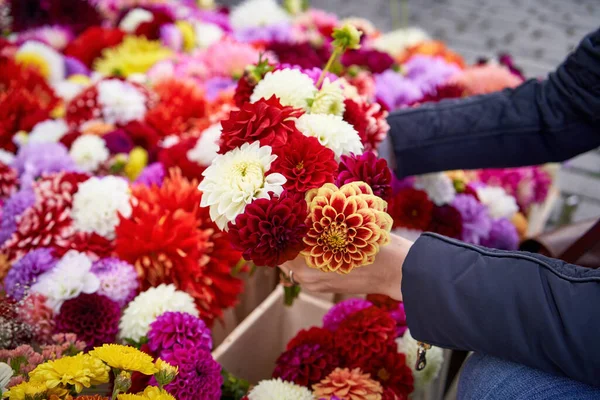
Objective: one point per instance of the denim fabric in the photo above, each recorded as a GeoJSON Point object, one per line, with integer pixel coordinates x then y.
{"type": "Point", "coordinates": [488, 378]}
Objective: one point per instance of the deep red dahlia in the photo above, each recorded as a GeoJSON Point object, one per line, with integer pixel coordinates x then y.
{"type": "Point", "coordinates": [303, 54]}
{"type": "Point", "coordinates": [374, 60]}
{"type": "Point", "coordinates": [75, 14]}
{"type": "Point", "coordinates": [369, 120]}
{"type": "Point", "coordinates": [151, 29]}
{"type": "Point", "coordinates": [8, 180]}
{"type": "Point", "coordinates": [176, 156]}
{"type": "Point", "coordinates": [92, 244]}
{"type": "Point", "coordinates": [270, 231]}
{"type": "Point", "coordinates": [305, 365]}
{"type": "Point", "coordinates": [307, 165]}
{"type": "Point", "coordinates": [367, 168]}
{"type": "Point", "coordinates": [322, 337]}
{"type": "Point", "coordinates": [442, 92]}
{"type": "Point", "coordinates": [391, 371]}
{"type": "Point", "coordinates": [412, 209]}
{"type": "Point", "coordinates": [446, 220]}
{"type": "Point", "coordinates": [47, 224]}
{"type": "Point", "coordinates": [181, 108]}
{"type": "Point", "coordinates": [145, 136]}
{"type": "Point", "coordinates": [384, 302]}
{"type": "Point", "coordinates": [266, 121]}
{"type": "Point", "coordinates": [244, 89]}
{"type": "Point", "coordinates": [89, 45]}
{"type": "Point", "coordinates": [366, 334]}
{"type": "Point", "coordinates": [62, 184]}
{"type": "Point", "coordinates": [83, 107]}
{"type": "Point", "coordinates": [92, 317]}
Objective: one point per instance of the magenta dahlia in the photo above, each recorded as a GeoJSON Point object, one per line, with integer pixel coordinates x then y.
{"type": "Point", "coordinates": [198, 373]}
{"type": "Point", "coordinates": [369, 169]}
{"type": "Point", "coordinates": [177, 330]}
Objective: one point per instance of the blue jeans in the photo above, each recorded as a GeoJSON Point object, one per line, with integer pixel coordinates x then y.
{"type": "Point", "coordinates": [489, 378]}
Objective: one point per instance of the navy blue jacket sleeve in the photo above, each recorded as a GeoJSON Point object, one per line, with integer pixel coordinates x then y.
{"type": "Point", "coordinates": [522, 307]}
{"type": "Point", "coordinates": [535, 123]}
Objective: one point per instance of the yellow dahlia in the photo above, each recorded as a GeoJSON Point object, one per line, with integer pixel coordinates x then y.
{"type": "Point", "coordinates": [125, 358]}
{"type": "Point", "coordinates": [348, 384]}
{"type": "Point", "coordinates": [135, 55]}
{"type": "Point", "coordinates": [138, 159]}
{"type": "Point", "coordinates": [26, 390]}
{"type": "Point", "coordinates": [347, 226]}
{"type": "Point", "coordinates": [76, 372]}
{"type": "Point", "coordinates": [154, 393]}
{"type": "Point", "coordinates": [131, 397]}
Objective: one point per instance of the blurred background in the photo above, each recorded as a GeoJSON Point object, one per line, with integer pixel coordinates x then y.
{"type": "Point", "coordinates": [538, 33]}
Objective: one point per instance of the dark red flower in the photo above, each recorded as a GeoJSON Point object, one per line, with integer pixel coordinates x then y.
{"type": "Point", "coordinates": [118, 141]}
{"type": "Point", "coordinates": [270, 231]}
{"type": "Point", "coordinates": [176, 156]}
{"type": "Point", "coordinates": [302, 54]}
{"type": "Point", "coordinates": [145, 136]}
{"type": "Point", "coordinates": [307, 165]}
{"type": "Point", "coordinates": [8, 180]}
{"type": "Point", "coordinates": [90, 43]}
{"type": "Point", "coordinates": [391, 371]}
{"type": "Point", "coordinates": [446, 220]}
{"type": "Point", "coordinates": [305, 365]}
{"type": "Point", "coordinates": [61, 184]}
{"type": "Point", "coordinates": [442, 92]}
{"type": "Point", "coordinates": [92, 244]}
{"type": "Point", "coordinates": [266, 121]}
{"type": "Point", "coordinates": [69, 138]}
{"type": "Point", "coordinates": [384, 302]}
{"type": "Point", "coordinates": [322, 337]}
{"type": "Point", "coordinates": [83, 107]}
{"type": "Point", "coordinates": [244, 89]}
{"type": "Point", "coordinates": [75, 14]}
{"type": "Point", "coordinates": [374, 60]}
{"type": "Point", "coordinates": [411, 209]}
{"type": "Point", "coordinates": [151, 29]}
{"type": "Point", "coordinates": [369, 120]}
{"type": "Point", "coordinates": [92, 317]}
{"type": "Point", "coordinates": [369, 169]}
{"type": "Point", "coordinates": [471, 191]}
{"type": "Point", "coordinates": [365, 334]}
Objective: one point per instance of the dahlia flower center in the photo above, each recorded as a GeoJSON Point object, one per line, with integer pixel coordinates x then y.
{"type": "Point", "coordinates": [247, 171]}
{"type": "Point", "coordinates": [34, 61]}
{"type": "Point", "coordinates": [383, 374]}
{"type": "Point", "coordinates": [335, 237]}
{"type": "Point", "coordinates": [300, 165]}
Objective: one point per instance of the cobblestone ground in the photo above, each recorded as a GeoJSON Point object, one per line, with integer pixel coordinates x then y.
{"type": "Point", "coordinates": [538, 33]}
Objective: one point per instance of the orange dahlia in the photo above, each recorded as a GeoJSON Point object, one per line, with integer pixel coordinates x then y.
{"type": "Point", "coordinates": [348, 384]}
{"type": "Point", "coordinates": [432, 48]}
{"type": "Point", "coordinates": [347, 226]}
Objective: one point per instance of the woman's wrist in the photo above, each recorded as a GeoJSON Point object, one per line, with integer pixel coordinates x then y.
{"type": "Point", "coordinates": [391, 260]}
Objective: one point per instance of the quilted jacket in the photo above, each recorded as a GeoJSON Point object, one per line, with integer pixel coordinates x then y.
{"type": "Point", "coordinates": [522, 307]}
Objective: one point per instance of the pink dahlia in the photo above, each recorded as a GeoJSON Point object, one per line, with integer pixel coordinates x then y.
{"type": "Point", "coordinates": [178, 330]}
{"type": "Point", "coordinates": [198, 373]}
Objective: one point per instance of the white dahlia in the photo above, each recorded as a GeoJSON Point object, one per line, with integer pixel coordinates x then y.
{"type": "Point", "coordinates": [6, 157]}
{"type": "Point", "coordinates": [49, 131]}
{"type": "Point", "coordinates": [330, 99]}
{"type": "Point", "coordinates": [207, 146]}
{"type": "Point", "coordinates": [98, 203]}
{"type": "Point", "coordinates": [395, 42]}
{"type": "Point", "coordinates": [254, 13]}
{"type": "Point", "coordinates": [121, 102]}
{"type": "Point", "coordinates": [89, 152]}
{"type": "Point", "coordinates": [70, 277]}
{"type": "Point", "coordinates": [68, 90]}
{"type": "Point", "coordinates": [134, 19]}
{"type": "Point", "coordinates": [435, 358]}
{"type": "Point", "coordinates": [237, 178]}
{"type": "Point", "coordinates": [499, 203]}
{"type": "Point", "coordinates": [149, 305]}
{"type": "Point", "coordinates": [332, 131]}
{"type": "Point", "coordinates": [292, 87]}
{"type": "Point", "coordinates": [207, 34]}
{"type": "Point", "coordinates": [438, 186]}
{"type": "Point", "coordinates": [276, 389]}
{"type": "Point", "coordinates": [6, 373]}
{"type": "Point", "coordinates": [45, 59]}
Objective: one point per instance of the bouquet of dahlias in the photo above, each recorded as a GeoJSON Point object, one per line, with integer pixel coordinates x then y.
{"type": "Point", "coordinates": [363, 350]}
{"type": "Point", "coordinates": [290, 178]}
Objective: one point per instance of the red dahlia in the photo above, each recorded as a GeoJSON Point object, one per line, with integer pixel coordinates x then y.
{"type": "Point", "coordinates": [176, 156]}
{"type": "Point", "coordinates": [391, 371]}
{"type": "Point", "coordinates": [308, 165]}
{"type": "Point", "coordinates": [446, 220]}
{"type": "Point", "coordinates": [384, 302]}
{"type": "Point", "coordinates": [270, 231]}
{"type": "Point", "coordinates": [322, 337]}
{"type": "Point", "coordinates": [243, 91]}
{"type": "Point", "coordinates": [303, 54]}
{"type": "Point", "coordinates": [365, 334]}
{"type": "Point", "coordinates": [83, 107]}
{"type": "Point", "coordinates": [47, 224]}
{"type": "Point", "coordinates": [143, 135]}
{"type": "Point", "coordinates": [266, 121]}
{"type": "Point", "coordinates": [369, 120]}
{"type": "Point", "coordinates": [89, 45]}
{"type": "Point", "coordinates": [305, 365]}
{"type": "Point", "coordinates": [92, 317]}
{"type": "Point", "coordinates": [151, 29]}
{"type": "Point", "coordinates": [367, 168]}
{"type": "Point", "coordinates": [62, 184]}
{"type": "Point", "coordinates": [8, 180]}
{"type": "Point", "coordinates": [92, 244]}
{"type": "Point", "coordinates": [412, 209]}
{"type": "Point", "coordinates": [442, 92]}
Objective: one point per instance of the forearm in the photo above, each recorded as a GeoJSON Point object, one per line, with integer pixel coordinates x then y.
{"type": "Point", "coordinates": [528, 309]}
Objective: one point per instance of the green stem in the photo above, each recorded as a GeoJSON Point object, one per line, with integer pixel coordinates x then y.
{"type": "Point", "coordinates": [405, 12]}
{"type": "Point", "coordinates": [334, 55]}
{"type": "Point", "coordinates": [290, 294]}
{"type": "Point", "coordinates": [115, 393]}
{"type": "Point", "coordinates": [394, 11]}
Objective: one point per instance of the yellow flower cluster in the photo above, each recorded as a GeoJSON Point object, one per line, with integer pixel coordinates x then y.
{"type": "Point", "coordinates": [151, 393]}
{"type": "Point", "coordinates": [135, 55]}
{"type": "Point", "coordinates": [125, 358]}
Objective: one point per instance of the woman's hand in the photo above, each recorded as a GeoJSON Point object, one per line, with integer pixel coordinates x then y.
{"type": "Point", "coordinates": [384, 276]}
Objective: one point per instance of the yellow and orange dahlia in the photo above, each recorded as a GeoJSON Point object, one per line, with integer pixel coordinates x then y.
{"type": "Point", "coordinates": [347, 226]}
{"type": "Point", "coordinates": [348, 384]}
